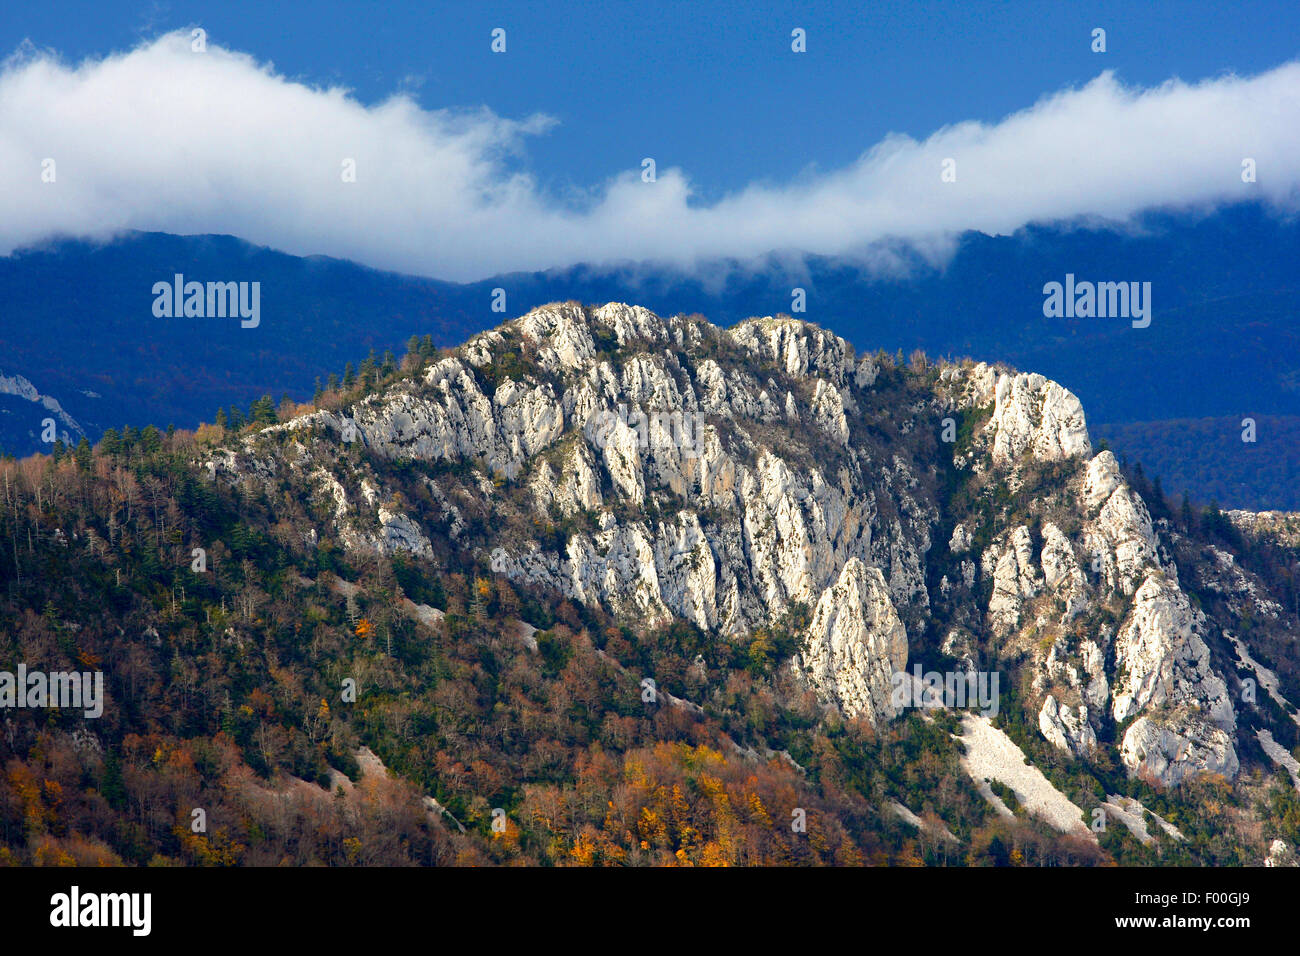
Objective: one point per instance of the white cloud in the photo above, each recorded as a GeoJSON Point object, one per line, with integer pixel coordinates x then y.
{"type": "Point", "coordinates": [165, 139]}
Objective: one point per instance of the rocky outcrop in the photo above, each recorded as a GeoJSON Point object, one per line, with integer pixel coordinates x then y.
{"type": "Point", "coordinates": [1119, 535]}
{"type": "Point", "coordinates": [1281, 526]}
{"type": "Point", "coordinates": [1167, 751]}
{"type": "Point", "coordinates": [1280, 854]}
{"type": "Point", "coordinates": [855, 644]}
{"type": "Point", "coordinates": [1162, 662]}
{"type": "Point", "coordinates": [1036, 417]}
{"type": "Point", "coordinates": [1015, 577]}
{"type": "Point", "coordinates": [1061, 573]}
{"type": "Point", "coordinates": [1066, 727]}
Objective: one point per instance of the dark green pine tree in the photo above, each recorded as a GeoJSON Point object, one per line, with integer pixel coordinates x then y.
{"type": "Point", "coordinates": [262, 411]}
{"type": "Point", "coordinates": [1160, 507]}
{"type": "Point", "coordinates": [83, 454]}
{"type": "Point", "coordinates": [111, 443]}
{"type": "Point", "coordinates": [367, 372]}
{"type": "Point", "coordinates": [112, 787]}
{"type": "Point", "coordinates": [151, 439]}
{"type": "Point", "coordinates": [477, 606]}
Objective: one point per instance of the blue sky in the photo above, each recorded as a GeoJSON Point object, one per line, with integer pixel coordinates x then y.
{"type": "Point", "coordinates": [711, 89]}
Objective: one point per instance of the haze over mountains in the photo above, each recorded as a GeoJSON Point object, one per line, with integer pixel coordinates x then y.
{"type": "Point", "coordinates": [76, 322]}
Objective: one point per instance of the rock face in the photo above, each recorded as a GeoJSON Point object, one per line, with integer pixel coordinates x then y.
{"type": "Point", "coordinates": [1066, 728]}
{"type": "Point", "coordinates": [856, 643]}
{"type": "Point", "coordinates": [670, 469]}
{"type": "Point", "coordinates": [1170, 751]}
{"type": "Point", "coordinates": [1036, 417]}
{"type": "Point", "coordinates": [1015, 578]}
{"type": "Point", "coordinates": [1162, 662]}
{"type": "Point", "coordinates": [1120, 536]}
{"type": "Point", "coordinates": [1061, 572]}
{"type": "Point", "coordinates": [1279, 854]}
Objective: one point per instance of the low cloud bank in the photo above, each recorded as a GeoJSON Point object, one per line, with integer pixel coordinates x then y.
{"type": "Point", "coordinates": [163, 138]}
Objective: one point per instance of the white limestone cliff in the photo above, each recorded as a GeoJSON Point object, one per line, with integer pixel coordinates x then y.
{"type": "Point", "coordinates": [798, 487]}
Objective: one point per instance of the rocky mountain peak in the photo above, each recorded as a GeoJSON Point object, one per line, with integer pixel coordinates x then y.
{"type": "Point", "coordinates": [673, 470]}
